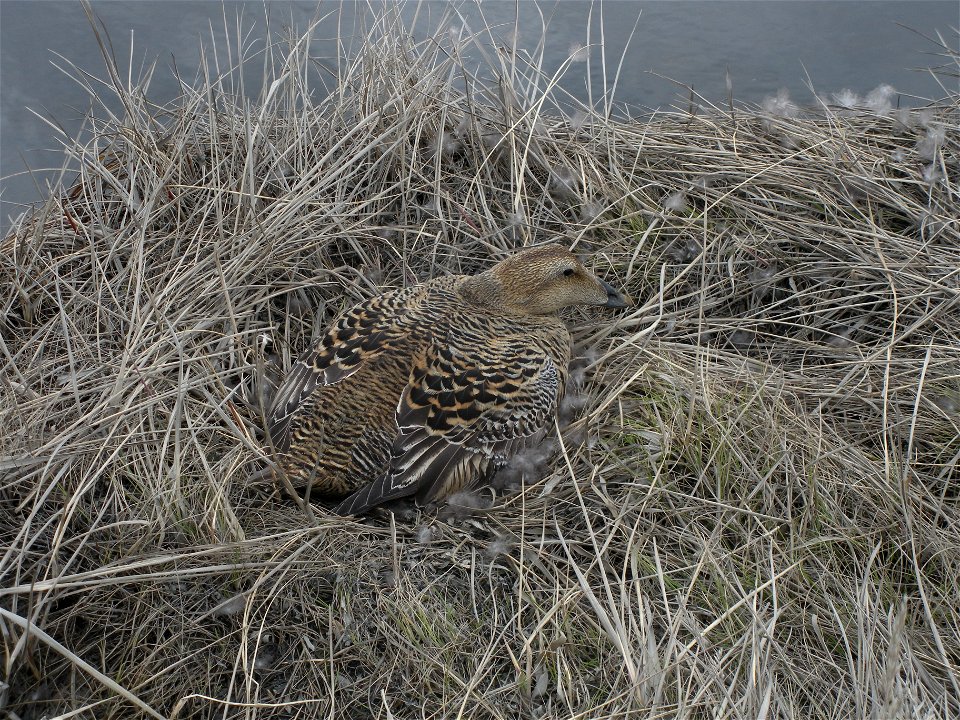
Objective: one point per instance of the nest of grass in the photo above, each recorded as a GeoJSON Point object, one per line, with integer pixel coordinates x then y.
{"type": "Point", "coordinates": [757, 515]}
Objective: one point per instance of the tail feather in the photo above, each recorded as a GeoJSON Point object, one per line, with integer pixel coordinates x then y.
{"type": "Point", "coordinates": [368, 497]}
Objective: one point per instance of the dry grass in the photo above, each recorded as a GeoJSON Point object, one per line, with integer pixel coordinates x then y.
{"type": "Point", "coordinates": [759, 517]}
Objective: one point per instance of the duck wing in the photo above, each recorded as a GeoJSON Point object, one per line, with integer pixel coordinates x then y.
{"type": "Point", "coordinates": [356, 337]}
{"type": "Point", "coordinates": [460, 414]}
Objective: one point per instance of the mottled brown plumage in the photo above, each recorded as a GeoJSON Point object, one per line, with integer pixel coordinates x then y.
{"type": "Point", "coordinates": [428, 390]}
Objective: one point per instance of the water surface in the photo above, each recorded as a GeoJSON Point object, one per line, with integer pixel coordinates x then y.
{"type": "Point", "coordinates": [764, 46]}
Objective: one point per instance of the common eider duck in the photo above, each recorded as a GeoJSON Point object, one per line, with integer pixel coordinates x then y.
{"type": "Point", "coordinates": [428, 390]}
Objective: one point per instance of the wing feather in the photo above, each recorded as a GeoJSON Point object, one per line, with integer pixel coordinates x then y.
{"type": "Point", "coordinates": [357, 336]}
{"type": "Point", "coordinates": [461, 413]}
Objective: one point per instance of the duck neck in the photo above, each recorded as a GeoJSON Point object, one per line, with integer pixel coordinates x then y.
{"type": "Point", "coordinates": [484, 290]}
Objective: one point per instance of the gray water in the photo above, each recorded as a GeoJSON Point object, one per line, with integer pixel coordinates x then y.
{"type": "Point", "coordinates": [764, 46]}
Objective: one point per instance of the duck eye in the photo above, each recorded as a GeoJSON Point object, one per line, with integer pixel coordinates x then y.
{"type": "Point", "coordinates": [568, 272]}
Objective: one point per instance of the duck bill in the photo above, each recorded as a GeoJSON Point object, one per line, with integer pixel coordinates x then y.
{"type": "Point", "coordinates": [615, 299]}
